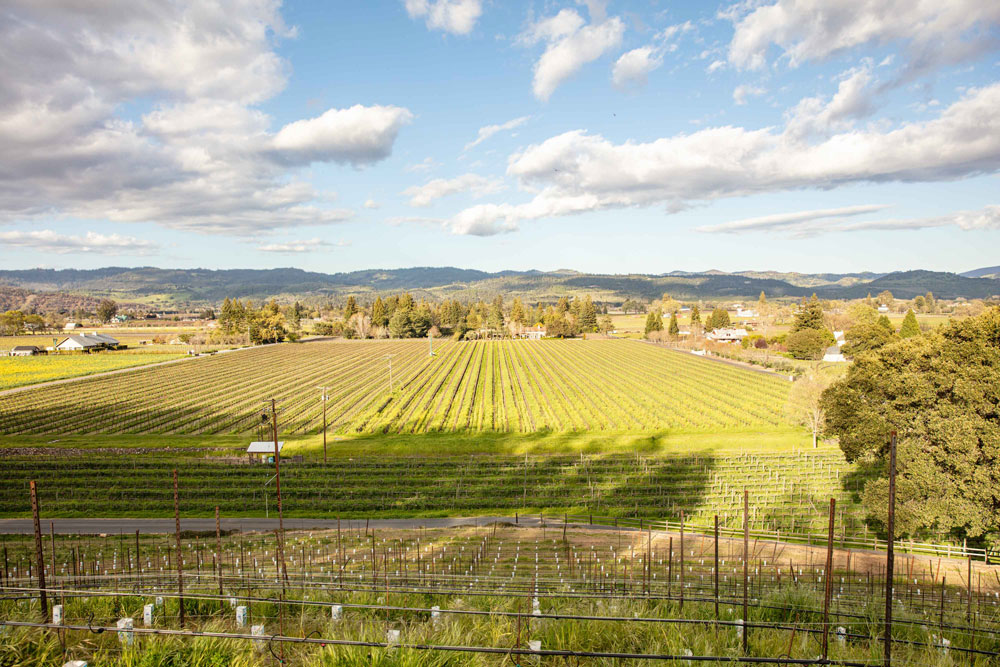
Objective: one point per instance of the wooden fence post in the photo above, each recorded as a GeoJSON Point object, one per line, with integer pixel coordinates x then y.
{"type": "Point", "coordinates": [39, 554]}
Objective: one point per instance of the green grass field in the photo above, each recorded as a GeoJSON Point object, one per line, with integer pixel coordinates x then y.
{"type": "Point", "coordinates": [21, 371]}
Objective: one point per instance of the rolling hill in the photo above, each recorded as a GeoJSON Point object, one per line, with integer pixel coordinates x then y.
{"type": "Point", "coordinates": [172, 288]}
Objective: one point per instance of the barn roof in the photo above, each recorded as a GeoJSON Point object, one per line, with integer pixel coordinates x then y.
{"type": "Point", "coordinates": [25, 348]}
{"type": "Point", "coordinates": [91, 340]}
{"type": "Point", "coordinates": [266, 447]}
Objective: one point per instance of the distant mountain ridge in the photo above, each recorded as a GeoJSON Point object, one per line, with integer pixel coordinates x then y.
{"type": "Point", "coordinates": [985, 272]}
{"type": "Point", "coordinates": [162, 288]}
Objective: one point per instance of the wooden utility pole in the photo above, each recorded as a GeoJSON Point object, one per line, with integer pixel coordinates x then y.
{"type": "Point", "coordinates": [277, 490]}
{"type": "Point", "coordinates": [180, 560]}
{"type": "Point", "coordinates": [218, 553]}
{"type": "Point", "coordinates": [890, 556]}
{"type": "Point", "coordinates": [39, 553]}
{"type": "Point", "coordinates": [324, 397]}
{"type": "Point", "coordinates": [746, 559]}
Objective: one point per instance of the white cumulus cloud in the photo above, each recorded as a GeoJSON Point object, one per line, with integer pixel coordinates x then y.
{"type": "Point", "coordinates": [357, 135]}
{"type": "Point", "coordinates": [203, 158]}
{"type": "Point", "coordinates": [634, 66]}
{"type": "Point", "coordinates": [577, 171]}
{"type": "Point", "coordinates": [570, 44]}
{"type": "Point", "coordinates": [932, 33]}
{"type": "Point", "coordinates": [455, 16]}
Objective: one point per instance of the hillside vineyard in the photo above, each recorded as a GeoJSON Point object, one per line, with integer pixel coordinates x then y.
{"type": "Point", "coordinates": [504, 386]}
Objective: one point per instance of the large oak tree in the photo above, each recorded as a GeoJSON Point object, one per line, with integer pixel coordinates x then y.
{"type": "Point", "coordinates": [940, 392]}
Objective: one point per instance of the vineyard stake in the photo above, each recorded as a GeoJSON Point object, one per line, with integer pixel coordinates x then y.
{"type": "Point", "coordinates": [829, 581]}
{"type": "Point", "coordinates": [52, 537]}
{"type": "Point", "coordinates": [716, 570]}
{"type": "Point", "coordinates": [670, 565]}
{"type": "Point", "coordinates": [180, 561]}
{"type": "Point", "coordinates": [890, 539]}
{"type": "Point", "coordinates": [39, 554]}
{"type": "Point", "coordinates": [968, 612]}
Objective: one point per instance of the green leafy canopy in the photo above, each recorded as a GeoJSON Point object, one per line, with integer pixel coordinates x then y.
{"type": "Point", "coordinates": [941, 393]}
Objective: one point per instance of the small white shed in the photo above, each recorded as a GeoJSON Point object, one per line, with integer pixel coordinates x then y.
{"type": "Point", "coordinates": [264, 449]}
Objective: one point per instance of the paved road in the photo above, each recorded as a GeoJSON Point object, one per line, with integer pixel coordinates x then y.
{"type": "Point", "coordinates": [114, 526]}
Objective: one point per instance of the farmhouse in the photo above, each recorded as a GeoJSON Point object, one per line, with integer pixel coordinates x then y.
{"type": "Point", "coordinates": [25, 350]}
{"type": "Point", "coordinates": [88, 343]}
{"type": "Point", "coordinates": [536, 332]}
{"type": "Point", "coordinates": [727, 335]}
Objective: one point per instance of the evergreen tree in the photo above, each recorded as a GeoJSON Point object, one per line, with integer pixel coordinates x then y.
{"type": "Point", "coordinates": [761, 300]}
{"type": "Point", "coordinates": [910, 327]}
{"type": "Point", "coordinates": [695, 314]}
{"type": "Point", "coordinates": [719, 319]}
{"type": "Point", "coordinates": [494, 318]}
{"type": "Point", "coordinates": [588, 316]}
{"type": "Point", "coordinates": [931, 303]}
{"type": "Point", "coordinates": [673, 329]}
{"type": "Point", "coordinates": [654, 321]}
{"type": "Point", "coordinates": [517, 311]}
{"type": "Point", "coordinates": [379, 316]}
{"type": "Point", "coordinates": [563, 305]}
{"type": "Point", "coordinates": [350, 308]}
{"type": "Point", "coordinates": [810, 316]}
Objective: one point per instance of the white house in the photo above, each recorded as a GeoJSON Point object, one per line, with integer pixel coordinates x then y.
{"type": "Point", "coordinates": [24, 350]}
{"type": "Point", "coordinates": [536, 332]}
{"type": "Point", "coordinates": [88, 343]}
{"type": "Point", "coordinates": [883, 308]}
{"type": "Point", "coordinates": [748, 313]}
{"type": "Point", "coordinates": [70, 326]}
{"type": "Point", "coordinates": [833, 352]}
{"type": "Point", "coordinates": [727, 335]}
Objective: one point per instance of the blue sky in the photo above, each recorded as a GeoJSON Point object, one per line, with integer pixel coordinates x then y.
{"type": "Point", "coordinates": [615, 137]}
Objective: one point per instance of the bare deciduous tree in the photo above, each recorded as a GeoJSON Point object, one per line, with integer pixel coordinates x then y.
{"type": "Point", "coordinates": [804, 405]}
